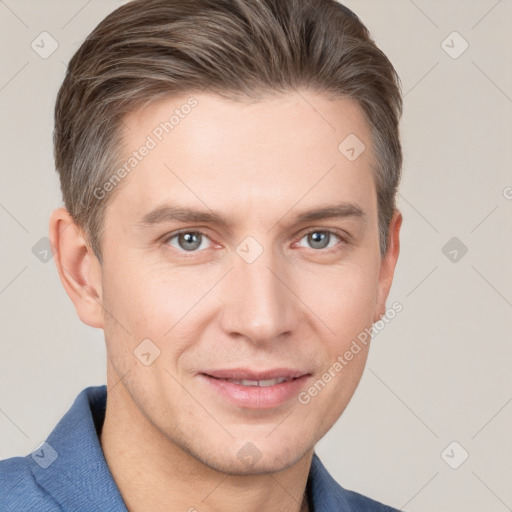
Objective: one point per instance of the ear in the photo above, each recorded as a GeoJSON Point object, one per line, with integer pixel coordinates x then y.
{"type": "Point", "coordinates": [78, 267]}
{"type": "Point", "coordinates": [388, 263]}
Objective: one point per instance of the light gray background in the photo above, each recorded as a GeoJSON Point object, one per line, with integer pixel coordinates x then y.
{"type": "Point", "coordinates": [439, 372]}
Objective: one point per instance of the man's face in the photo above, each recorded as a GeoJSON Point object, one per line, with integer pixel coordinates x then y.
{"type": "Point", "coordinates": [265, 293]}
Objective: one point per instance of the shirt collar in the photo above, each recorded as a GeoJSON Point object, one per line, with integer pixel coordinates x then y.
{"type": "Point", "coordinates": [76, 472]}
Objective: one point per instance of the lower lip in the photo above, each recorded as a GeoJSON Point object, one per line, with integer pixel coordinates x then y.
{"type": "Point", "coordinates": [257, 397]}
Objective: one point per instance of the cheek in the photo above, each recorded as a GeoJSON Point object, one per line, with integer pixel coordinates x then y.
{"type": "Point", "coordinates": [155, 304]}
{"type": "Point", "coordinates": [137, 294]}
{"type": "Point", "coordinates": [343, 298]}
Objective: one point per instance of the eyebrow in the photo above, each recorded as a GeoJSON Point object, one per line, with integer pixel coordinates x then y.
{"type": "Point", "coordinates": [167, 213]}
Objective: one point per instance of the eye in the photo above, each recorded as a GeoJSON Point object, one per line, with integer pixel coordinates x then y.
{"type": "Point", "coordinates": [320, 239]}
{"type": "Point", "coordinates": [188, 241]}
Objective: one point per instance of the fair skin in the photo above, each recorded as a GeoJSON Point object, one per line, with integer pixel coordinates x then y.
{"type": "Point", "coordinates": [173, 431]}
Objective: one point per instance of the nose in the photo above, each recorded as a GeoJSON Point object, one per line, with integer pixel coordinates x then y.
{"type": "Point", "coordinates": [258, 302]}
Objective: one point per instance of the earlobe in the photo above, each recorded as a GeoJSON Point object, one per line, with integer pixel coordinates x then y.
{"type": "Point", "coordinates": [78, 267]}
{"type": "Point", "coordinates": [388, 264]}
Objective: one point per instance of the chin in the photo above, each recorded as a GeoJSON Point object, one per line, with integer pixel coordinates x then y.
{"type": "Point", "coordinates": [253, 458]}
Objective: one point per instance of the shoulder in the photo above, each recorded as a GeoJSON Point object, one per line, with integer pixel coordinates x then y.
{"type": "Point", "coordinates": [327, 495]}
{"type": "Point", "coordinates": [360, 503]}
{"type": "Point", "coordinates": [61, 472]}
{"type": "Point", "coordinates": [20, 490]}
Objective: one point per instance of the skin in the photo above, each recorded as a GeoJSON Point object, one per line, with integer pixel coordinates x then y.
{"type": "Point", "coordinates": [257, 165]}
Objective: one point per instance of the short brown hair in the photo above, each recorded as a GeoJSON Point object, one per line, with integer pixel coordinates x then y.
{"type": "Point", "coordinates": [239, 49]}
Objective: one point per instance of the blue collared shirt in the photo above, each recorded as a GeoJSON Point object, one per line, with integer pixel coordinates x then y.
{"type": "Point", "coordinates": [69, 473]}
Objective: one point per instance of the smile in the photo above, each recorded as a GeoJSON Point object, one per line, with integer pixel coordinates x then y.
{"type": "Point", "coordinates": [260, 383]}
{"type": "Point", "coordinates": [248, 389]}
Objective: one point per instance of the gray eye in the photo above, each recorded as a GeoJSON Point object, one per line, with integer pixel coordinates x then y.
{"type": "Point", "coordinates": [188, 241]}
{"type": "Point", "coordinates": [320, 239]}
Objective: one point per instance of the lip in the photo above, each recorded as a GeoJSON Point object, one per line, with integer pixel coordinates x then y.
{"type": "Point", "coordinates": [255, 397]}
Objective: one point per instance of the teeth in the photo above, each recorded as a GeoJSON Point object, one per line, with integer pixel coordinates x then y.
{"type": "Point", "coordinates": [260, 383]}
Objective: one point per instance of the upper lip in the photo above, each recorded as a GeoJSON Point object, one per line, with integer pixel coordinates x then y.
{"type": "Point", "coordinates": [246, 374]}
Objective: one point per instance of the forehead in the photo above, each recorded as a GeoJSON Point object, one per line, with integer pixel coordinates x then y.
{"type": "Point", "coordinates": [229, 156]}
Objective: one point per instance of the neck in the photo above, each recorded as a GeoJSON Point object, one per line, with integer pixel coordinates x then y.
{"type": "Point", "coordinates": [154, 474]}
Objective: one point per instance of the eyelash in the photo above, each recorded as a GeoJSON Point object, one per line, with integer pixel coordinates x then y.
{"type": "Point", "coordinates": [331, 250]}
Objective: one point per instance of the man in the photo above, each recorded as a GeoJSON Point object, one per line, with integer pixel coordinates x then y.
{"type": "Point", "coordinates": [229, 171]}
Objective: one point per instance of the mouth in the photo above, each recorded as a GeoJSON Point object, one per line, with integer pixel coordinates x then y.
{"type": "Point", "coordinates": [261, 383]}
{"type": "Point", "coordinates": [255, 390]}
